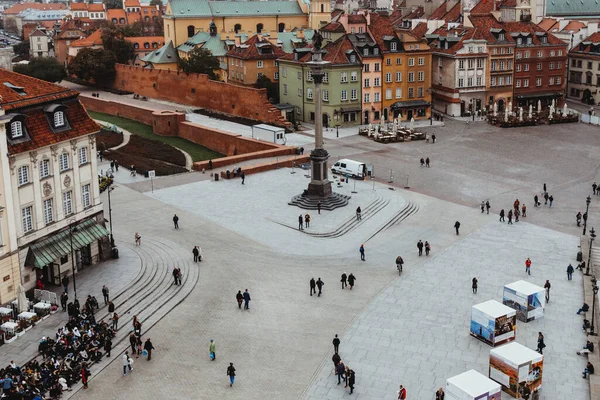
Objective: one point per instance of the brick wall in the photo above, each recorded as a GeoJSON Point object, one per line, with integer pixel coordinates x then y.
{"type": "Point", "coordinates": [197, 90]}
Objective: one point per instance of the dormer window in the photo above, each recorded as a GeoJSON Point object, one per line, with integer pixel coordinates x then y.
{"type": "Point", "coordinates": [16, 129]}
{"type": "Point", "coordinates": [393, 46]}
{"type": "Point", "coordinates": [544, 39]}
{"type": "Point", "coordinates": [501, 37]}
{"type": "Point", "coordinates": [59, 119]}
{"type": "Point", "coordinates": [529, 40]}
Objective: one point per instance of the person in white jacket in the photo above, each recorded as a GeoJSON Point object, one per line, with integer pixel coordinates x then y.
{"type": "Point", "coordinates": [127, 361]}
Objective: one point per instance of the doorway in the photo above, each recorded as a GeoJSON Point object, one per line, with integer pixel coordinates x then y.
{"type": "Point", "coordinates": [366, 122]}
{"type": "Point", "coordinates": [409, 115]}
{"type": "Point", "coordinates": [385, 114]}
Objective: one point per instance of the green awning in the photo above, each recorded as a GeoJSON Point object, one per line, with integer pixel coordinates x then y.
{"type": "Point", "coordinates": [53, 247]}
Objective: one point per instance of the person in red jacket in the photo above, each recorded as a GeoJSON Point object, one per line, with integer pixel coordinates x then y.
{"type": "Point", "coordinates": [402, 393]}
{"type": "Point", "coordinates": [528, 266]}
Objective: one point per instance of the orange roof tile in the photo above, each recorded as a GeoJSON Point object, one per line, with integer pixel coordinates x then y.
{"type": "Point", "coordinates": [95, 39]}
{"type": "Point", "coordinates": [485, 6]}
{"type": "Point", "coordinates": [547, 23]}
{"type": "Point", "coordinates": [17, 8]}
{"type": "Point", "coordinates": [95, 7]}
{"type": "Point", "coordinates": [132, 3]}
{"type": "Point", "coordinates": [250, 49]}
{"type": "Point", "coordinates": [439, 12]}
{"type": "Point", "coordinates": [140, 40]}
{"type": "Point", "coordinates": [335, 52]}
{"type": "Point", "coordinates": [117, 13]}
{"type": "Point", "coordinates": [574, 26]}
{"type": "Point", "coordinates": [36, 91]}
{"type": "Point", "coordinates": [420, 30]}
{"type": "Point", "coordinates": [133, 17]}
{"type": "Point", "coordinates": [589, 45]}
{"type": "Point", "coordinates": [79, 7]}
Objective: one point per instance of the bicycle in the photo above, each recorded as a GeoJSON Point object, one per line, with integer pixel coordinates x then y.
{"type": "Point", "coordinates": [399, 262]}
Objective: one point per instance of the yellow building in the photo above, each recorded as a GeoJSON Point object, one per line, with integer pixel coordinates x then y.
{"type": "Point", "coordinates": [184, 18]}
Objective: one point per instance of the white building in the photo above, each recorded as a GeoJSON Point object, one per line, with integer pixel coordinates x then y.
{"type": "Point", "coordinates": [49, 181]}
{"type": "Point", "coordinates": [40, 43]}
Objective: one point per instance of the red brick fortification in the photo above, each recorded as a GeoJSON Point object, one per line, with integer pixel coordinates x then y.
{"type": "Point", "coordinates": [197, 90]}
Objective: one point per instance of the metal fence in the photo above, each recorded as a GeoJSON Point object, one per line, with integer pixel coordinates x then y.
{"type": "Point", "coordinates": [590, 119]}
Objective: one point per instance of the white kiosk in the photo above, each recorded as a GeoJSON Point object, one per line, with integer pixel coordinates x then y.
{"type": "Point", "coordinates": [472, 385]}
{"type": "Point", "coordinates": [526, 298]}
{"type": "Point", "coordinates": [493, 323]}
{"type": "Point", "coordinates": [515, 367]}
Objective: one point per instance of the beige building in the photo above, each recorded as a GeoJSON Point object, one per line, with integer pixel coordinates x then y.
{"type": "Point", "coordinates": [40, 44]}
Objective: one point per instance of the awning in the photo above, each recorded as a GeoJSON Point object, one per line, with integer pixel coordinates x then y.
{"type": "Point", "coordinates": [350, 109]}
{"type": "Point", "coordinates": [53, 247]}
{"type": "Point", "coordinates": [284, 106]}
{"type": "Point", "coordinates": [408, 104]}
{"type": "Point", "coordinates": [535, 95]}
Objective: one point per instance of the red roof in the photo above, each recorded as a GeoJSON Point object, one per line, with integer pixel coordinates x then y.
{"type": "Point", "coordinates": [547, 24]}
{"type": "Point", "coordinates": [335, 52]}
{"type": "Point", "coordinates": [141, 40]}
{"type": "Point", "coordinates": [335, 27]}
{"type": "Point", "coordinates": [585, 47]}
{"type": "Point", "coordinates": [381, 26]}
{"type": "Point", "coordinates": [79, 7]}
{"type": "Point", "coordinates": [509, 3]}
{"type": "Point", "coordinates": [249, 50]}
{"type": "Point", "coordinates": [574, 26]}
{"type": "Point", "coordinates": [454, 14]}
{"type": "Point", "coordinates": [484, 24]}
{"type": "Point", "coordinates": [420, 30]}
{"type": "Point", "coordinates": [132, 3]}
{"type": "Point", "coordinates": [36, 91]}
{"type": "Point", "coordinates": [485, 6]}
{"type": "Point", "coordinates": [95, 39]}
{"type": "Point", "coordinates": [17, 8]}
{"type": "Point", "coordinates": [418, 13]}
{"type": "Point", "coordinates": [95, 7]}
{"type": "Point", "coordinates": [357, 19]}
{"type": "Point", "coordinates": [38, 127]}
{"type": "Point", "coordinates": [117, 13]}
{"type": "Point", "coordinates": [439, 12]}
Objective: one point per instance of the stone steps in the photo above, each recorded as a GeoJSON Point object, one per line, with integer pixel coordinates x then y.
{"type": "Point", "coordinates": [410, 209]}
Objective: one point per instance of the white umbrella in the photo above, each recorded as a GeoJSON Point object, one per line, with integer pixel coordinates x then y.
{"type": "Point", "coordinates": [23, 303]}
{"type": "Point", "coordinates": [370, 126]}
{"type": "Point", "coordinates": [510, 109]}
{"type": "Point", "coordinates": [539, 106]}
{"type": "Point", "coordinates": [551, 111]}
{"type": "Point", "coordinates": [565, 110]}
{"type": "Point", "coordinates": [506, 114]}
{"type": "Point", "coordinates": [553, 103]}
{"type": "Point", "coordinates": [521, 114]}
{"type": "Point", "coordinates": [530, 111]}
{"type": "Point", "coordinates": [495, 109]}
{"type": "Point", "coordinates": [412, 123]}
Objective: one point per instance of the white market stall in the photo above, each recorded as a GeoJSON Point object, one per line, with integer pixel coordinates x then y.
{"type": "Point", "coordinates": [493, 323]}
{"type": "Point", "coordinates": [526, 298]}
{"type": "Point", "coordinates": [472, 385]}
{"type": "Point", "coordinates": [515, 366]}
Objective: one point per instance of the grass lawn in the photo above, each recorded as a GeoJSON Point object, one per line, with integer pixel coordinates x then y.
{"type": "Point", "coordinates": [197, 152]}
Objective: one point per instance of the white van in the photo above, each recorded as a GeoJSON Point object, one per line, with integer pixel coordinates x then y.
{"type": "Point", "coordinates": [353, 168]}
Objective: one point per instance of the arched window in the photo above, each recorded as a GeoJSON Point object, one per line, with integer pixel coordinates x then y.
{"type": "Point", "coordinates": [154, 45]}
{"type": "Point", "coordinates": [237, 28]}
{"type": "Point", "coordinates": [146, 45]}
{"type": "Point", "coordinates": [121, 20]}
{"type": "Point", "coordinates": [59, 119]}
{"type": "Point", "coordinates": [281, 27]}
{"type": "Point", "coordinates": [146, 18]}
{"type": "Point", "coordinates": [16, 129]}
{"type": "Point", "coordinates": [64, 162]}
{"type": "Point", "coordinates": [322, 8]}
{"type": "Point", "coordinates": [191, 30]}
{"type": "Point", "coordinates": [114, 20]}
{"type": "Point", "coordinates": [136, 46]}
{"type": "Point", "coordinates": [259, 28]}
{"type": "Point", "coordinates": [23, 174]}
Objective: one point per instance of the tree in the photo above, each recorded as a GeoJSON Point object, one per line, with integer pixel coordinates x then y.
{"type": "Point", "coordinates": [114, 4]}
{"type": "Point", "coordinates": [44, 68]}
{"type": "Point", "coordinates": [22, 48]}
{"type": "Point", "coordinates": [272, 88]}
{"type": "Point", "coordinates": [199, 61]}
{"type": "Point", "coordinates": [94, 64]}
{"type": "Point", "coordinates": [112, 40]}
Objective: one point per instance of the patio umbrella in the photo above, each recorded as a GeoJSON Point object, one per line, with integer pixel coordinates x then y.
{"type": "Point", "coordinates": [495, 109]}
{"type": "Point", "coordinates": [23, 303]}
{"type": "Point", "coordinates": [565, 110]}
{"type": "Point", "coordinates": [412, 123]}
{"type": "Point", "coordinates": [510, 109]}
{"type": "Point", "coordinates": [530, 111]}
{"type": "Point", "coordinates": [521, 114]}
{"type": "Point", "coordinates": [539, 106]}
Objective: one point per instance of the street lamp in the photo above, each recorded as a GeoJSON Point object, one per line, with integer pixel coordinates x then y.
{"type": "Point", "coordinates": [336, 115]}
{"type": "Point", "coordinates": [587, 208]}
{"type": "Point", "coordinates": [112, 240]}
{"type": "Point", "coordinates": [73, 228]}
{"type": "Point", "coordinates": [589, 261]}
{"type": "Point", "coordinates": [595, 292]}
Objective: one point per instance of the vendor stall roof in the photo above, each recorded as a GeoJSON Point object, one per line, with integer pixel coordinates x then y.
{"type": "Point", "coordinates": [524, 287]}
{"type": "Point", "coordinates": [516, 353]}
{"type": "Point", "coordinates": [474, 383]}
{"type": "Point", "coordinates": [494, 309]}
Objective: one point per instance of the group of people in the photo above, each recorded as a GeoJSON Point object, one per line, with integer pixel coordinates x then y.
{"type": "Point", "coordinates": [514, 212]}
{"type": "Point", "coordinates": [589, 346]}
{"type": "Point", "coordinates": [425, 162]}
{"type": "Point", "coordinates": [342, 371]}
{"type": "Point", "coordinates": [420, 247]}
{"type": "Point", "coordinates": [244, 298]}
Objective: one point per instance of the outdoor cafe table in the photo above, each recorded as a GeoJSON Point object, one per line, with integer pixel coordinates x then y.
{"type": "Point", "coordinates": [9, 327]}
{"type": "Point", "coordinates": [26, 315]}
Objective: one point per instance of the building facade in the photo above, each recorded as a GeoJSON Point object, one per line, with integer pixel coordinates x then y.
{"type": "Point", "coordinates": [252, 59]}
{"type": "Point", "coordinates": [584, 70]}
{"type": "Point", "coordinates": [372, 60]}
{"type": "Point", "coordinates": [49, 177]}
{"type": "Point", "coordinates": [40, 44]}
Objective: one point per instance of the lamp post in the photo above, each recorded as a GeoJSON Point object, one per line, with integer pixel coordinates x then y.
{"type": "Point", "coordinates": [589, 261]}
{"type": "Point", "coordinates": [112, 240]}
{"type": "Point", "coordinates": [595, 292]}
{"type": "Point", "coordinates": [587, 208]}
{"type": "Point", "coordinates": [72, 229]}
{"type": "Point", "coordinates": [336, 115]}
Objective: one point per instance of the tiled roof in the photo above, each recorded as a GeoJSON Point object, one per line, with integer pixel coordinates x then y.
{"type": "Point", "coordinates": [420, 30]}
{"type": "Point", "coordinates": [17, 8]}
{"type": "Point", "coordinates": [133, 17]}
{"type": "Point", "coordinates": [564, 8]}
{"type": "Point", "coordinates": [574, 26]}
{"type": "Point", "coordinates": [95, 7]}
{"type": "Point", "coordinates": [439, 12]}
{"type": "Point", "coordinates": [38, 32]}
{"type": "Point", "coordinates": [548, 23]}
{"type": "Point", "coordinates": [35, 91]}
{"type": "Point", "coordinates": [79, 6]}
{"type": "Point", "coordinates": [205, 8]}
{"type": "Point", "coordinates": [454, 37]}
{"type": "Point", "coordinates": [165, 55]}
{"type": "Point", "coordinates": [336, 13]}
{"type": "Point", "coordinates": [357, 19]}
{"type": "Point", "coordinates": [379, 27]}
{"type": "Point", "coordinates": [335, 52]}
{"type": "Point", "coordinates": [454, 14]}
{"type": "Point", "coordinates": [485, 6]}
{"type": "Point", "coordinates": [418, 13]}
{"type": "Point", "coordinates": [289, 40]}
{"type": "Point", "coordinates": [141, 40]}
{"type": "Point", "coordinates": [335, 27]}
{"type": "Point", "coordinates": [95, 39]}
{"type": "Point", "coordinates": [531, 28]}
{"type": "Point", "coordinates": [41, 135]}
{"type": "Point", "coordinates": [117, 13]}
{"type": "Point", "coordinates": [484, 24]}
{"type": "Point", "coordinates": [590, 45]}
{"type": "Point", "coordinates": [250, 49]}
{"type": "Point", "coordinates": [509, 3]}
{"type": "Point", "coordinates": [132, 3]}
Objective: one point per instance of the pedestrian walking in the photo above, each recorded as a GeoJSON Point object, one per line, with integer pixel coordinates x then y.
{"type": "Point", "coordinates": [427, 248]}
{"type": "Point", "coordinates": [148, 347]}
{"type": "Point", "coordinates": [439, 395]}
{"type": "Point", "coordinates": [246, 300]}
{"type": "Point", "coordinates": [138, 345]}
{"type": "Point", "coordinates": [570, 272]}
{"type": "Point", "coordinates": [536, 201]}
{"type": "Point", "coordinates": [420, 247]}
{"type": "Point", "coordinates": [578, 218]}
{"type": "Point", "coordinates": [126, 364]}
{"type": "Point", "coordinates": [362, 251]}
{"type": "Point", "coordinates": [115, 322]}
{"type": "Point", "coordinates": [402, 393]}
{"type": "Point", "coordinates": [239, 297]}
{"type": "Point", "coordinates": [85, 374]}
{"type": "Point", "coordinates": [502, 215]}
{"type": "Point", "coordinates": [517, 215]}
{"type": "Point", "coordinates": [422, 162]}
{"type": "Point", "coordinates": [547, 286]}
{"type": "Point", "coordinates": [231, 374]}
{"type": "Point", "coordinates": [65, 282]}
{"type": "Point", "coordinates": [545, 188]}
{"type": "Point", "coordinates": [550, 199]}
{"type": "Point", "coordinates": [64, 299]}
{"type": "Point", "coordinates": [546, 197]}
{"type": "Point", "coordinates": [456, 226]}
{"type": "Point", "coordinates": [433, 138]}
{"type": "Point", "coordinates": [132, 342]}
{"type": "Point", "coordinates": [105, 294]}
{"type": "Point", "coordinates": [482, 206]}
{"type": "Point", "coordinates": [196, 253]}
{"type": "Point", "coordinates": [524, 211]}
{"type": "Point", "coordinates": [307, 220]}
{"type": "Point", "coordinates": [138, 239]}
{"type": "Point", "coordinates": [474, 285]}
{"type": "Point", "coordinates": [243, 175]}
{"type": "Point", "coordinates": [319, 207]}
{"type": "Point", "coordinates": [351, 280]}
{"type": "Point", "coordinates": [344, 280]}
{"type": "Point", "coordinates": [336, 360]}
{"type": "Point", "coordinates": [336, 344]}
{"type": "Point", "coordinates": [341, 369]}
{"type": "Point", "coordinates": [212, 348]}
{"type": "Point", "coordinates": [320, 284]}
{"type": "Point", "coordinates": [487, 206]}
{"type": "Point", "coordinates": [117, 166]}
{"type": "Point", "coordinates": [510, 215]}
{"type": "Point", "coordinates": [540, 343]}
{"type": "Point", "coordinates": [351, 380]}
{"type": "Point", "coordinates": [176, 221]}
{"type": "Point", "coordinates": [516, 204]}
{"type": "Point", "coordinates": [175, 276]}
{"type": "Point", "coordinates": [528, 266]}
{"type": "Point", "coordinates": [427, 162]}
{"type": "Point", "coordinates": [426, 138]}
{"type": "Point", "coordinates": [108, 346]}
{"type": "Point", "coordinates": [358, 214]}
{"type": "Point", "coordinates": [313, 285]}
{"type": "Point", "coordinates": [594, 186]}
{"type": "Point", "coordinates": [300, 222]}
